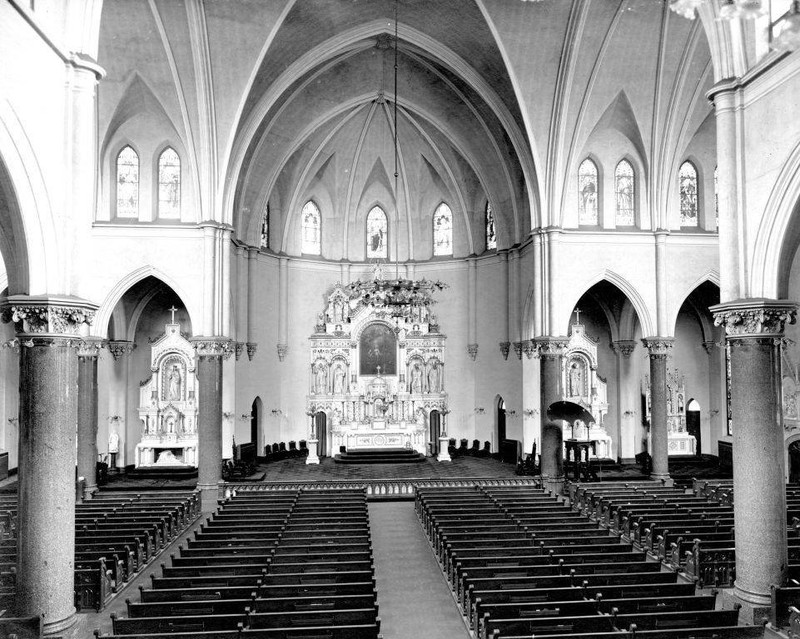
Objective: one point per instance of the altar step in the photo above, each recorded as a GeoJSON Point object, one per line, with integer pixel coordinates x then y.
{"type": "Point", "coordinates": [163, 472]}
{"type": "Point", "coordinates": [380, 456]}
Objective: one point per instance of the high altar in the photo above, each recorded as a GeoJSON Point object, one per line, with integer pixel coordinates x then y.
{"type": "Point", "coordinates": [168, 403]}
{"type": "Point", "coordinates": [582, 385]}
{"type": "Point", "coordinates": [679, 441]}
{"type": "Point", "coordinates": [377, 365]}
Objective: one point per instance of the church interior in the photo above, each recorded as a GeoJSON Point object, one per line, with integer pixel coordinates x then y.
{"type": "Point", "coordinates": [351, 319]}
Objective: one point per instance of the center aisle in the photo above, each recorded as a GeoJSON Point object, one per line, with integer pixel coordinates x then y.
{"type": "Point", "coordinates": [415, 600]}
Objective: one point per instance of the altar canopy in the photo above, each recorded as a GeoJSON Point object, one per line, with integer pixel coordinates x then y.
{"type": "Point", "coordinates": [168, 403]}
{"type": "Point", "coordinates": [377, 365]}
{"type": "Point", "coordinates": [583, 386]}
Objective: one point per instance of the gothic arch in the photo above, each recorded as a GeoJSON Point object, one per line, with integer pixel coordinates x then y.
{"type": "Point", "coordinates": [710, 277]}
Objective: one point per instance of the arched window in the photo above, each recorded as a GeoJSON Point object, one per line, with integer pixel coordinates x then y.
{"type": "Point", "coordinates": [311, 227]}
{"type": "Point", "coordinates": [687, 184]}
{"type": "Point", "coordinates": [442, 230]}
{"type": "Point", "coordinates": [624, 190]}
{"type": "Point", "coordinates": [377, 234]}
{"type": "Point", "coordinates": [169, 184]}
{"type": "Point", "coordinates": [265, 227]}
{"type": "Point", "coordinates": [491, 235]}
{"type": "Point", "coordinates": [587, 193]}
{"type": "Point", "coordinates": [127, 183]}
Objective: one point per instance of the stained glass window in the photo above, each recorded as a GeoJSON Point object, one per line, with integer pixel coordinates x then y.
{"type": "Point", "coordinates": [311, 227]}
{"type": "Point", "coordinates": [377, 234]}
{"type": "Point", "coordinates": [127, 183]}
{"type": "Point", "coordinates": [687, 182]}
{"type": "Point", "coordinates": [265, 227]}
{"type": "Point", "coordinates": [491, 235]}
{"type": "Point", "coordinates": [624, 190]}
{"type": "Point", "coordinates": [587, 193]}
{"type": "Point", "coordinates": [442, 230]}
{"type": "Point", "coordinates": [169, 184]}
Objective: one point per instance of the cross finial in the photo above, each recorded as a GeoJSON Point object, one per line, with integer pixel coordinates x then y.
{"type": "Point", "coordinates": [173, 310]}
{"type": "Point", "coordinates": [578, 315]}
{"type": "Point", "coordinates": [379, 369]}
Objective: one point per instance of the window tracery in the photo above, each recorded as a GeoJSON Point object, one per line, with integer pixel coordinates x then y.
{"type": "Point", "coordinates": [377, 234]}
{"type": "Point", "coordinates": [127, 183]}
{"type": "Point", "coordinates": [169, 184]}
{"type": "Point", "coordinates": [442, 230]}
{"type": "Point", "coordinates": [687, 184]}
{"type": "Point", "coordinates": [311, 227]}
{"type": "Point", "coordinates": [624, 190]}
{"type": "Point", "coordinates": [587, 193]}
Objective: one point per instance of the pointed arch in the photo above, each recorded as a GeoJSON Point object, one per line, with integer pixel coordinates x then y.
{"type": "Point", "coordinates": [377, 234]}
{"type": "Point", "coordinates": [687, 296]}
{"type": "Point", "coordinates": [689, 194]}
{"type": "Point", "coordinates": [169, 184]}
{"type": "Point", "coordinates": [588, 193]}
{"type": "Point", "coordinates": [627, 289]}
{"type": "Point", "coordinates": [311, 229]}
{"type": "Point", "coordinates": [624, 194]}
{"type": "Point", "coordinates": [99, 327]}
{"type": "Point", "coordinates": [442, 230]}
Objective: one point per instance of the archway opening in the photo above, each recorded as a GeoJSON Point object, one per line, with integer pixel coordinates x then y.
{"type": "Point", "coordinates": [693, 424]}
{"type": "Point", "coordinates": [434, 431]}
{"type": "Point", "coordinates": [256, 417]}
{"type": "Point", "coordinates": [500, 422]}
{"type": "Point", "coordinates": [321, 426]}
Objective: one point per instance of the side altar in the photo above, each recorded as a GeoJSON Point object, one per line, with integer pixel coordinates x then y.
{"type": "Point", "coordinates": [168, 403]}
{"type": "Point", "coordinates": [377, 367]}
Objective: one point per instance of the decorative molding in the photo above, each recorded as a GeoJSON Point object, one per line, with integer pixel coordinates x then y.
{"type": "Point", "coordinates": [472, 351]}
{"type": "Point", "coordinates": [237, 350]}
{"type": "Point", "coordinates": [550, 347]}
{"type": "Point", "coordinates": [505, 348]}
{"type": "Point", "coordinates": [90, 348]}
{"type": "Point", "coordinates": [518, 349]}
{"type": "Point", "coordinates": [45, 315]}
{"type": "Point", "coordinates": [710, 346]}
{"type": "Point", "coordinates": [624, 347]}
{"type": "Point", "coordinates": [754, 317]}
{"type": "Point", "coordinates": [120, 347]}
{"type": "Point", "coordinates": [283, 350]}
{"type": "Point", "coordinates": [251, 347]}
{"type": "Point", "coordinates": [658, 347]}
{"type": "Point", "coordinates": [212, 347]}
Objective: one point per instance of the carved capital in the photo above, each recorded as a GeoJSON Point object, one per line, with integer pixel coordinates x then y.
{"type": "Point", "coordinates": [754, 317]}
{"type": "Point", "coordinates": [238, 348]}
{"type": "Point", "coordinates": [282, 349]}
{"type": "Point", "coordinates": [89, 348]}
{"type": "Point", "coordinates": [550, 347]}
{"type": "Point", "coordinates": [119, 347]}
{"type": "Point", "coordinates": [658, 346]}
{"type": "Point", "coordinates": [518, 349]}
{"type": "Point", "coordinates": [472, 351]}
{"type": "Point", "coordinates": [529, 348]}
{"type": "Point", "coordinates": [505, 349]}
{"type": "Point", "coordinates": [251, 347]}
{"type": "Point", "coordinates": [46, 315]}
{"type": "Point", "coordinates": [624, 347]}
{"type": "Point", "coordinates": [212, 347]}
{"type": "Point", "coordinates": [710, 346]}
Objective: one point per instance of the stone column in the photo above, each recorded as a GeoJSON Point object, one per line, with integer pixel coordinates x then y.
{"type": "Point", "coordinates": [88, 352]}
{"type": "Point", "coordinates": [210, 353]}
{"type": "Point", "coordinates": [551, 356]}
{"type": "Point", "coordinates": [47, 328]}
{"type": "Point", "coordinates": [626, 406]}
{"type": "Point", "coordinates": [659, 349]}
{"type": "Point", "coordinates": [754, 330]}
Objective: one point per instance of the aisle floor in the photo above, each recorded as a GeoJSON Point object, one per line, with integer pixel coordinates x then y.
{"type": "Point", "coordinates": [414, 598]}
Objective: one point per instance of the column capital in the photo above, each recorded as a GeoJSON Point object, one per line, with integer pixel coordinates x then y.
{"type": "Point", "coordinates": [754, 317]}
{"type": "Point", "coordinates": [212, 346]}
{"type": "Point", "coordinates": [505, 349]}
{"type": "Point", "coordinates": [658, 346]}
{"type": "Point", "coordinates": [238, 348]}
{"type": "Point", "coordinates": [47, 315]}
{"type": "Point", "coordinates": [549, 346]}
{"type": "Point", "coordinates": [251, 347]}
{"type": "Point", "coordinates": [120, 347]}
{"type": "Point", "coordinates": [518, 348]}
{"type": "Point", "coordinates": [624, 347]}
{"type": "Point", "coordinates": [709, 346]}
{"type": "Point", "coordinates": [90, 347]}
{"type": "Point", "coordinates": [472, 351]}
{"type": "Point", "coordinates": [529, 348]}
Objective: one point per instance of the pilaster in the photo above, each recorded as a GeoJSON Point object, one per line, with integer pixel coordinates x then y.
{"type": "Point", "coordinates": [88, 352]}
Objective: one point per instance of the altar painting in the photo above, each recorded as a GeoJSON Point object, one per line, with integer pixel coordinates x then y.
{"type": "Point", "coordinates": [378, 348]}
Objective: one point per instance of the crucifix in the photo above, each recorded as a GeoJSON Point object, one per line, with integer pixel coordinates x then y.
{"type": "Point", "coordinates": [578, 315]}
{"type": "Point", "coordinates": [173, 310]}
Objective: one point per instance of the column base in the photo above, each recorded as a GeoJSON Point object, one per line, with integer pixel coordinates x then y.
{"type": "Point", "coordinates": [313, 457]}
{"type": "Point", "coordinates": [444, 453]}
{"type": "Point", "coordinates": [89, 491]}
{"type": "Point", "coordinates": [56, 627]}
{"type": "Point", "coordinates": [209, 496]}
{"type": "Point", "coordinates": [755, 609]}
{"type": "Point", "coordinates": [554, 484]}
{"type": "Point", "coordinates": [665, 479]}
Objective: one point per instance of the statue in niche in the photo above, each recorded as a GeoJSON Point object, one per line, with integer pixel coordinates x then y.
{"type": "Point", "coordinates": [113, 442]}
{"type": "Point", "coordinates": [416, 378]}
{"type": "Point", "coordinates": [175, 382]}
{"type": "Point", "coordinates": [575, 380]}
{"type": "Point", "coordinates": [434, 379]}
{"type": "Point", "coordinates": [339, 380]}
{"type": "Point", "coordinates": [321, 379]}
{"type": "Point", "coordinates": [337, 311]}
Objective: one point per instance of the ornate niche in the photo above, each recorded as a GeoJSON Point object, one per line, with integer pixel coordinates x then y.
{"type": "Point", "coordinates": [168, 403]}
{"type": "Point", "coordinates": [377, 367]}
{"type": "Point", "coordinates": [680, 442]}
{"type": "Point", "coordinates": [582, 385]}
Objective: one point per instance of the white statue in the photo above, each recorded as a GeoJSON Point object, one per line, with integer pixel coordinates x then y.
{"type": "Point", "coordinates": [339, 380]}
{"type": "Point", "coordinates": [575, 386]}
{"type": "Point", "coordinates": [113, 442]}
{"type": "Point", "coordinates": [174, 383]}
{"type": "Point", "coordinates": [321, 379]}
{"type": "Point", "coordinates": [433, 378]}
{"type": "Point", "coordinates": [416, 379]}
